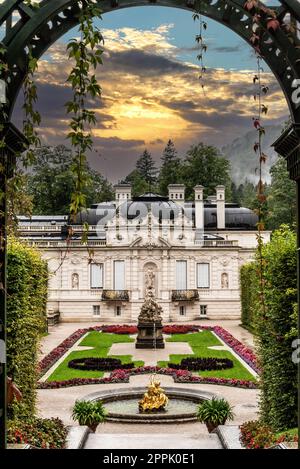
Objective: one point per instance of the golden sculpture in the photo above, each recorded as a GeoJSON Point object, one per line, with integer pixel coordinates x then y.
{"type": "Point", "coordinates": [154, 399]}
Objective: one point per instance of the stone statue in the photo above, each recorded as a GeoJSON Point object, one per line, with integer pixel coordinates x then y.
{"type": "Point", "coordinates": [150, 318]}
{"type": "Point", "coordinates": [150, 311]}
{"type": "Point", "coordinates": [149, 282]}
{"type": "Point", "coordinates": [75, 281]}
{"type": "Point", "coordinates": [224, 280]}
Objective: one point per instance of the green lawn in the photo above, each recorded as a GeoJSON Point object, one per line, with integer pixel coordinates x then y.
{"type": "Point", "coordinates": [199, 342]}
{"type": "Point", "coordinates": [101, 343]}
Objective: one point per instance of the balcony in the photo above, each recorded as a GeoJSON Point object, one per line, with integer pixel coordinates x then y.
{"type": "Point", "coordinates": [115, 295]}
{"type": "Point", "coordinates": [185, 295]}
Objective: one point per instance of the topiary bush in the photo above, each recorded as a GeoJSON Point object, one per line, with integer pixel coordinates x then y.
{"type": "Point", "coordinates": [27, 278]}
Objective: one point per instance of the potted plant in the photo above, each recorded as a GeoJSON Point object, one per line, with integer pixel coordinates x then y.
{"type": "Point", "coordinates": [214, 412]}
{"type": "Point", "coordinates": [89, 413]}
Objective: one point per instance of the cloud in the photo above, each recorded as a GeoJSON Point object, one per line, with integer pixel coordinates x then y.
{"type": "Point", "coordinates": [140, 62]}
{"type": "Point", "coordinates": [116, 142]}
{"type": "Point", "coordinates": [157, 141]}
{"type": "Point", "coordinates": [150, 93]}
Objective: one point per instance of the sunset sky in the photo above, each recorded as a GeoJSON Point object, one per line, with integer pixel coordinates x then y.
{"type": "Point", "coordinates": [151, 90]}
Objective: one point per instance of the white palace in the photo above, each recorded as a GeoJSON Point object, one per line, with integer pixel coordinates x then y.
{"type": "Point", "coordinates": [191, 251]}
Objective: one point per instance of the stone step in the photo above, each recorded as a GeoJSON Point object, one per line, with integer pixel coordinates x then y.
{"type": "Point", "coordinates": [150, 441]}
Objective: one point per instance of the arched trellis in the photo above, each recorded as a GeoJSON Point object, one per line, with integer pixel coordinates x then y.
{"type": "Point", "coordinates": [39, 28]}
{"type": "Point", "coordinates": [26, 28]}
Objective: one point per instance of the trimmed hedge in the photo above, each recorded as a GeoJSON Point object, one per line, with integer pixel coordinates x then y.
{"type": "Point", "coordinates": [248, 285]}
{"type": "Point", "coordinates": [27, 278]}
{"type": "Point", "coordinates": [278, 402]}
{"type": "Point", "coordinates": [275, 327]}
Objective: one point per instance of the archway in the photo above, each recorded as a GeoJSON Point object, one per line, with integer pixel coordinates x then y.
{"type": "Point", "coordinates": [38, 29]}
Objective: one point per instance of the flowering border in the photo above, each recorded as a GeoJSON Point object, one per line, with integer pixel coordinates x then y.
{"type": "Point", "coordinates": [123, 376]}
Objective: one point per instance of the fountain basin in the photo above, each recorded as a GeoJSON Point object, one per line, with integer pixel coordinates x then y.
{"type": "Point", "coordinates": [122, 405]}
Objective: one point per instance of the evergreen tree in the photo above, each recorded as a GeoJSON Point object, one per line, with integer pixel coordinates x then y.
{"type": "Point", "coordinates": [205, 165]}
{"type": "Point", "coordinates": [247, 195]}
{"type": "Point", "coordinates": [170, 168]}
{"type": "Point", "coordinates": [146, 169]}
{"type": "Point", "coordinates": [281, 197]}
{"type": "Point", "coordinates": [138, 184]}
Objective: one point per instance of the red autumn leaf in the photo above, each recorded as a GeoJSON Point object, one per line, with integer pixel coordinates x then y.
{"type": "Point", "coordinates": [256, 146]}
{"type": "Point", "coordinates": [262, 198]}
{"type": "Point", "coordinates": [263, 157]}
{"type": "Point", "coordinates": [250, 5]}
{"type": "Point", "coordinates": [256, 123]}
{"type": "Point", "coordinates": [273, 24]}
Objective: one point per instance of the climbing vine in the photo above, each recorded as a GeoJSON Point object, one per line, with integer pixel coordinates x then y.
{"type": "Point", "coordinates": [86, 52]}
{"type": "Point", "coordinates": [32, 117]}
{"type": "Point", "coordinates": [262, 18]}
{"type": "Point", "coordinates": [262, 109]}
{"type": "Point", "coordinates": [200, 40]}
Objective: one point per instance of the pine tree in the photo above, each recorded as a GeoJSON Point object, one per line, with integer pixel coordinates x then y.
{"type": "Point", "coordinates": [146, 168]}
{"type": "Point", "coordinates": [170, 168]}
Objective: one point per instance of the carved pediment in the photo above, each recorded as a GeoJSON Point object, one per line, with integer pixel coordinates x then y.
{"type": "Point", "coordinates": [150, 243]}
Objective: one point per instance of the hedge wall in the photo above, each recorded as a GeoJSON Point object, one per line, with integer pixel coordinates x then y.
{"type": "Point", "coordinates": [275, 331]}
{"type": "Point", "coordinates": [26, 316]}
{"type": "Point", "coordinates": [248, 286]}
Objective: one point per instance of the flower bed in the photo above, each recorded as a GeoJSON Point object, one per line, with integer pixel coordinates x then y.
{"type": "Point", "coordinates": [48, 361]}
{"type": "Point", "coordinates": [41, 433]}
{"type": "Point", "coordinates": [256, 435]}
{"type": "Point", "coordinates": [240, 349]}
{"type": "Point", "coordinates": [202, 364]}
{"type": "Point", "coordinates": [122, 376]}
{"type": "Point", "coordinates": [116, 329]}
{"type": "Point", "coordinates": [180, 329]}
{"type": "Point", "coordinates": [100, 364]}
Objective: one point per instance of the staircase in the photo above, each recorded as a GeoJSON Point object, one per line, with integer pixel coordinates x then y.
{"type": "Point", "coordinates": [152, 441]}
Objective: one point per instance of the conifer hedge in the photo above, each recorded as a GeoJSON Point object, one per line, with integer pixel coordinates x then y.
{"type": "Point", "coordinates": [27, 278]}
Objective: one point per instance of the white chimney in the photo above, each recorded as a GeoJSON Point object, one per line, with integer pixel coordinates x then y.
{"type": "Point", "coordinates": [176, 193]}
{"type": "Point", "coordinates": [199, 208]}
{"type": "Point", "coordinates": [220, 192]}
{"type": "Point", "coordinates": [122, 193]}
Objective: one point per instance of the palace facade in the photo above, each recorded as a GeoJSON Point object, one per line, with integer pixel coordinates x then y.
{"type": "Point", "coordinates": [191, 251]}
